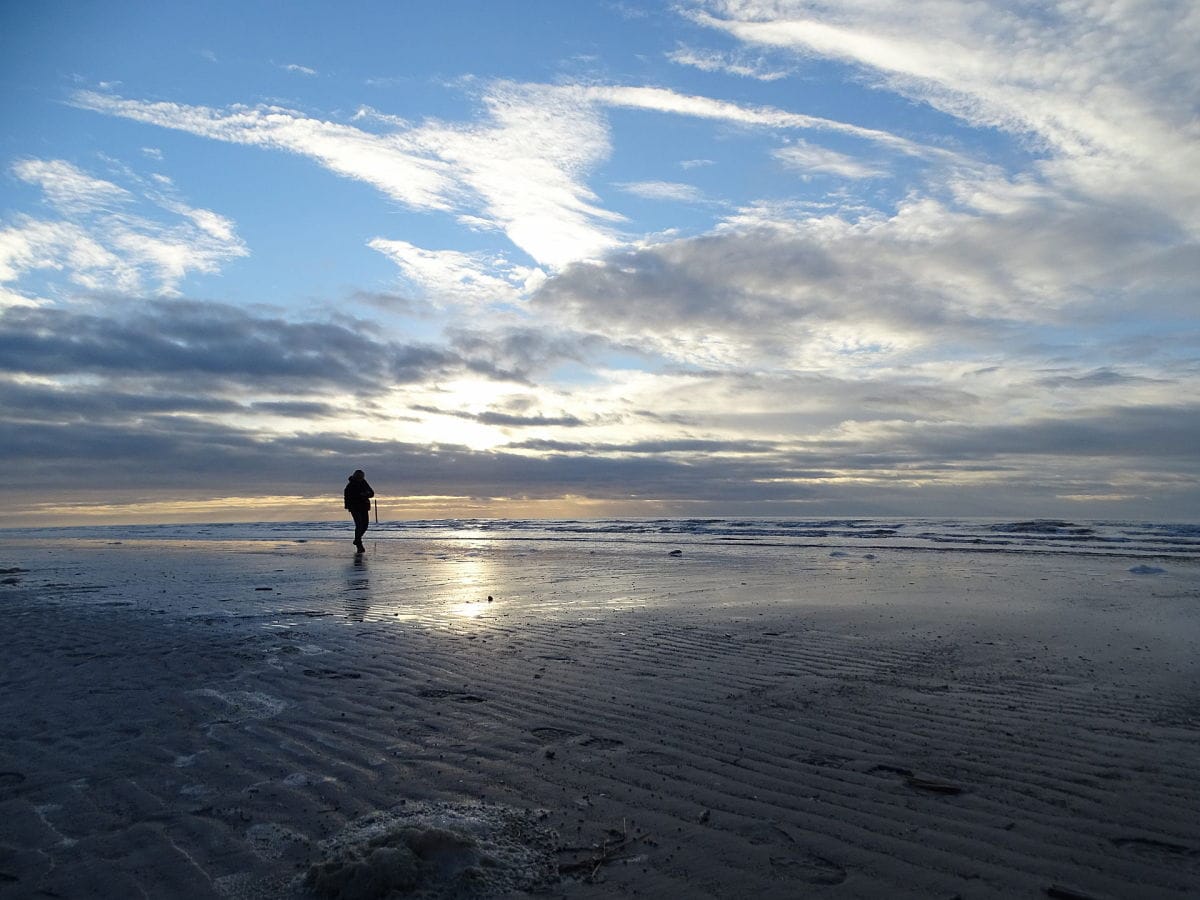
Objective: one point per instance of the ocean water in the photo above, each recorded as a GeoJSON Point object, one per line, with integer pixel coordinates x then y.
{"type": "Point", "coordinates": [1179, 541]}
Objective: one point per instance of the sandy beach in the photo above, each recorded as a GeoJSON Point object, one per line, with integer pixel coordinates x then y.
{"type": "Point", "coordinates": [255, 719]}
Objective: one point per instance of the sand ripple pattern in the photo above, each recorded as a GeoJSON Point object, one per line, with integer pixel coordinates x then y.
{"type": "Point", "coordinates": [654, 725]}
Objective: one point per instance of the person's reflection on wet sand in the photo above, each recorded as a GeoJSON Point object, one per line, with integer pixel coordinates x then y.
{"type": "Point", "coordinates": [358, 590]}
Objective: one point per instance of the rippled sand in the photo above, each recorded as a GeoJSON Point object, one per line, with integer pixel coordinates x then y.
{"type": "Point", "coordinates": [260, 719]}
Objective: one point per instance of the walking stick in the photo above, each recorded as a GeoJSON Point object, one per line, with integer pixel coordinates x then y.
{"type": "Point", "coordinates": [376, 502]}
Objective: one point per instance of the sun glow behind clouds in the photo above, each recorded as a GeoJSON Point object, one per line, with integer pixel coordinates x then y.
{"type": "Point", "coordinates": [455, 413]}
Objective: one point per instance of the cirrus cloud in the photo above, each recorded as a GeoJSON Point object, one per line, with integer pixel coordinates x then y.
{"type": "Point", "coordinates": [102, 243]}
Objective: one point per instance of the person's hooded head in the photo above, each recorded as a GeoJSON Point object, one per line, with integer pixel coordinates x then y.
{"type": "Point", "coordinates": [358, 475]}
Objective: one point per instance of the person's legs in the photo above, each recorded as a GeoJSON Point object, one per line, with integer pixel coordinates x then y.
{"type": "Point", "coordinates": [362, 518]}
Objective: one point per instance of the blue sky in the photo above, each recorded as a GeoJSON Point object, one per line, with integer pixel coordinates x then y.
{"type": "Point", "coordinates": [749, 257]}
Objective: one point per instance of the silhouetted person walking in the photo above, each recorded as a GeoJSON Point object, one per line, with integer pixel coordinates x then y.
{"type": "Point", "coordinates": [358, 500]}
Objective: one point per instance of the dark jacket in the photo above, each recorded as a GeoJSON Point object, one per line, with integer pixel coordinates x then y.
{"type": "Point", "coordinates": [358, 494]}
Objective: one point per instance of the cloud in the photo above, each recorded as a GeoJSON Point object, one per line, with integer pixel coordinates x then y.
{"type": "Point", "coordinates": [744, 298]}
{"type": "Point", "coordinates": [391, 163]}
{"type": "Point", "coordinates": [212, 347]}
{"type": "Point", "coordinates": [451, 276]}
{"type": "Point", "coordinates": [507, 419]}
{"type": "Point", "coordinates": [253, 404]}
{"type": "Point", "coordinates": [689, 447]}
{"type": "Point", "coordinates": [806, 157]}
{"type": "Point", "coordinates": [1110, 93]}
{"type": "Point", "coordinates": [519, 352]}
{"type": "Point", "coordinates": [681, 476]}
{"type": "Point", "coordinates": [991, 266]}
{"type": "Point", "coordinates": [69, 188]}
{"type": "Point", "coordinates": [974, 332]}
{"type": "Point", "coordinates": [391, 301]}
{"type": "Point", "coordinates": [31, 244]}
{"type": "Point", "coordinates": [1158, 436]}
{"type": "Point", "coordinates": [521, 168]}
{"type": "Point", "coordinates": [732, 64]}
{"type": "Point", "coordinates": [299, 70]}
{"type": "Point", "coordinates": [528, 162]}
{"type": "Point", "coordinates": [1101, 378]}
{"type": "Point", "coordinates": [107, 239]}
{"type": "Point", "coordinates": [26, 401]}
{"type": "Point", "coordinates": [663, 190]}
{"type": "Point", "coordinates": [664, 100]}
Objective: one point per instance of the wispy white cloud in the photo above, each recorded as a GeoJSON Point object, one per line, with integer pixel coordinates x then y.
{"type": "Point", "coordinates": [806, 157]}
{"type": "Point", "coordinates": [741, 65]}
{"type": "Point", "coordinates": [665, 100]}
{"type": "Point", "coordinates": [213, 224]}
{"type": "Point", "coordinates": [1109, 92]}
{"type": "Point", "coordinates": [528, 162]}
{"type": "Point", "coordinates": [370, 114]}
{"type": "Point", "coordinates": [453, 277]}
{"type": "Point", "coordinates": [391, 163]}
{"type": "Point", "coordinates": [103, 242]}
{"type": "Point", "coordinates": [523, 166]}
{"type": "Point", "coordinates": [32, 244]}
{"type": "Point", "coordinates": [299, 70]}
{"type": "Point", "coordinates": [69, 188]}
{"type": "Point", "coordinates": [664, 190]}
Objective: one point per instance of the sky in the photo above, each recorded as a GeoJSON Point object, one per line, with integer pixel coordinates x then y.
{"type": "Point", "coordinates": [599, 258]}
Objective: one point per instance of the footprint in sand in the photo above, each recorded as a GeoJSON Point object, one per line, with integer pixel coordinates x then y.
{"type": "Point", "coordinates": [919, 783]}
{"type": "Point", "coordinates": [809, 868]}
{"type": "Point", "coordinates": [1163, 851]}
{"type": "Point", "coordinates": [270, 840]}
{"type": "Point", "coordinates": [452, 696]}
{"type": "Point", "coordinates": [331, 673]}
{"type": "Point", "coordinates": [550, 734]}
{"type": "Point", "coordinates": [243, 705]}
{"type": "Point", "coordinates": [600, 743]}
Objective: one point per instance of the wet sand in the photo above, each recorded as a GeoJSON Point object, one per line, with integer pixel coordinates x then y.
{"type": "Point", "coordinates": [260, 719]}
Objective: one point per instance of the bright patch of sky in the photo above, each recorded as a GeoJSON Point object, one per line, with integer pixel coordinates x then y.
{"type": "Point", "coordinates": [666, 255]}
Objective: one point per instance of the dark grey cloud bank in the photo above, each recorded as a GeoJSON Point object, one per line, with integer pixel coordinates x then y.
{"type": "Point", "coordinates": [158, 402]}
{"type": "Point", "coordinates": [159, 455]}
{"type": "Point", "coordinates": [171, 457]}
{"type": "Point", "coordinates": [222, 347]}
{"type": "Point", "coordinates": [208, 344]}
